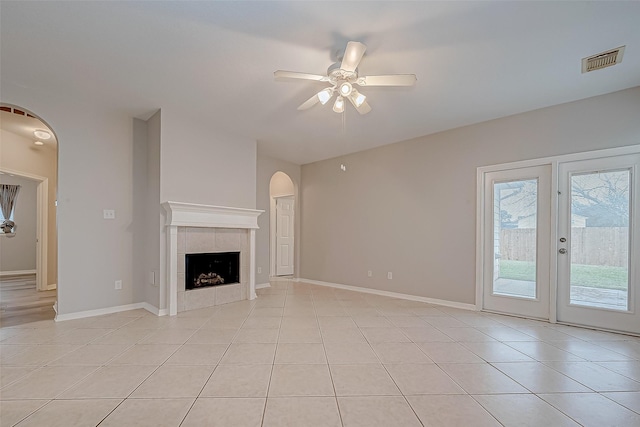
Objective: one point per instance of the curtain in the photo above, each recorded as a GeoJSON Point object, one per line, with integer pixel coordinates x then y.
{"type": "Point", "coordinates": [8, 195]}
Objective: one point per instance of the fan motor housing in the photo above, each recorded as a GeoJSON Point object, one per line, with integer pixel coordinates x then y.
{"type": "Point", "coordinates": [337, 74]}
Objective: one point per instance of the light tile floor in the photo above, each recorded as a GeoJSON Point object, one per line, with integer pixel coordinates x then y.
{"type": "Point", "coordinates": [303, 355]}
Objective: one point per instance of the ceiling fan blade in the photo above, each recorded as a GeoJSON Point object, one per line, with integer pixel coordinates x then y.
{"type": "Point", "coordinates": [352, 56]}
{"type": "Point", "coordinates": [388, 80]}
{"type": "Point", "coordinates": [322, 97]}
{"type": "Point", "coordinates": [364, 108]}
{"type": "Point", "coordinates": [309, 103]}
{"type": "Point", "coordinates": [281, 74]}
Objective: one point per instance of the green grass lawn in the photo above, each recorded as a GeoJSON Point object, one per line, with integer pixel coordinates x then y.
{"type": "Point", "coordinates": [594, 276]}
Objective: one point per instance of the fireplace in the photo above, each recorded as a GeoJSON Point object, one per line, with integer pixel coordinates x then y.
{"type": "Point", "coordinates": [196, 229]}
{"type": "Point", "coordinates": [211, 269]}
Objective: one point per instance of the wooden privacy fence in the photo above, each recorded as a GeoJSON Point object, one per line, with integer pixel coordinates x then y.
{"type": "Point", "coordinates": [589, 245]}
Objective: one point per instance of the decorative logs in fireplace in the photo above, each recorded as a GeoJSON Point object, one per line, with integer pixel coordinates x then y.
{"type": "Point", "coordinates": [209, 279]}
{"type": "Point", "coordinates": [211, 269]}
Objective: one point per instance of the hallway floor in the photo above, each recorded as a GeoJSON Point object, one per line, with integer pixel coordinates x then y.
{"type": "Point", "coordinates": [21, 303]}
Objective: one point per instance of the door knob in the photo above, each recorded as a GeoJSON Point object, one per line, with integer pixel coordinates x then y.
{"type": "Point", "coordinates": [563, 239]}
{"type": "Point", "coordinates": [562, 251]}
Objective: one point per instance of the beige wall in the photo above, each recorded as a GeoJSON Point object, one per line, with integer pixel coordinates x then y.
{"type": "Point", "coordinates": [21, 155]}
{"type": "Point", "coordinates": [407, 208]}
{"type": "Point", "coordinates": [201, 166]}
{"type": "Point", "coordinates": [410, 207]}
{"type": "Point", "coordinates": [153, 210]}
{"type": "Point", "coordinates": [96, 172]}
{"type": "Point", "coordinates": [266, 168]}
{"type": "Point", "coordinates": [146, 209]}
{"type": "Point", "coordinates": [18, 253]}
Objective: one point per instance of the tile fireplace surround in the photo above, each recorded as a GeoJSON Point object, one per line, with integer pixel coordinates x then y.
{"type": "Point", "coordinates": [193, 228]}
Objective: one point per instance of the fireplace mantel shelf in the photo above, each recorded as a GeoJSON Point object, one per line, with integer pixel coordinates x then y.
{"type": "Point", "coordinates": [194, 215]}
{"type": "Point", "coordinates": [181, 214]}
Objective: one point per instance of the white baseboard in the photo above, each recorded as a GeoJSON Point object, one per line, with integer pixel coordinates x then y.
{"type": "Point", "coordinates": [435, 301]}
{"type": "Point", "coordinates": [263, 285]}
{"type": "Point", "coordinates": [154, 310]}
{"type": "Point", "coordinates": [16, 273]}
{"type": "Point", "coordinates": [110, 310]}
{"type": "Point", "coordinates": [283, 278]}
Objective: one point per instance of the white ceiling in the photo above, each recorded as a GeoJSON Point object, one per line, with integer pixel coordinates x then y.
{"type": "Point", "coordinates": [475, 61]}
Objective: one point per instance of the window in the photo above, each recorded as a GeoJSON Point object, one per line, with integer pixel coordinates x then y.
{"type": "Point", "coordinates": [2, 218]}
{"type": "Point", "coordinates": [8, 196]}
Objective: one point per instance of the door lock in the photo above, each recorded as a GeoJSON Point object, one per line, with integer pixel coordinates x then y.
{"type": "Point", "coordinates": [563, 239]}
{"type": "Point", "coordinates": [562, 251]}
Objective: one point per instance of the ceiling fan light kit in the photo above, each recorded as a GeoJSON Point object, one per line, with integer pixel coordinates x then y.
{"type": "Point", "coordinates": [325, 95]}
{"type": "Point", "coordinates": [342, 77]}
{"type": "Point", "coordinates": [358, 98]}
{"type": "Point", "coordinates": [345, 88]}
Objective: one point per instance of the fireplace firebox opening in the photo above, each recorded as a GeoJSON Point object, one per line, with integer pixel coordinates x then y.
{"type": "Point", "coordinates": [211, 269]}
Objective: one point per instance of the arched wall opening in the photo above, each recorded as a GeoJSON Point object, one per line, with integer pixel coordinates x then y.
{"type": "Point", "coordinates": [283, 196]}
{"type": "Point", "coordinates": [35, 159]}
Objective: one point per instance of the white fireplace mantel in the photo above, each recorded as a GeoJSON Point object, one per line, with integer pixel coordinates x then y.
{"type": "Point", "coordinates": [193, 215]}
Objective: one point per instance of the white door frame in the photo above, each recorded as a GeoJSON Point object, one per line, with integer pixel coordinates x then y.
{"type": "Point", "coordinates": [293, 254]}
{"type": "Point", "coordinates": [586, 314]}
{"type": "Point", "coordinates": [537, 307]}
{"type": "Point", "coordinates": [42, 225]}
{"type": "Point", "coordinates": [554, 161]}
{"type": "Point", "coordinates": [272, 234]}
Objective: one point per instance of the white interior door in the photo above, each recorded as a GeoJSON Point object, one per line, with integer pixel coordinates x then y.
{"type": "Point", "coordinates": [284, 236]}
{"type": "Point", "coordinates": [599, 243]}
{"type": "Point", "coordinates": [516, 204]}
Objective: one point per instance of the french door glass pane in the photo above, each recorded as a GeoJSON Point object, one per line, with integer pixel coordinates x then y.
{"type": "Point", "coordinates": [600, 219]}
{"type": "Point", "coordinates": [515, 208]}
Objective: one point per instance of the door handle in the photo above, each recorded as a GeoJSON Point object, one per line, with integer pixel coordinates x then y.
{"type": "Point", "coordinates": [562, 251]}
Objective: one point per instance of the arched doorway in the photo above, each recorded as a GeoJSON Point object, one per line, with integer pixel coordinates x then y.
{"type": "Point", "coordinates": [28, 279]}
{"type": "Point", "coordinates": [282, 195]}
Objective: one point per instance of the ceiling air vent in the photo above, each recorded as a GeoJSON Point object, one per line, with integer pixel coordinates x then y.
{"type": "Point", "coordinates": [602, 60]}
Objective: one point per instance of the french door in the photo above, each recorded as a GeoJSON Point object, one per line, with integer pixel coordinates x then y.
{"type": "Point", "coordinates": [517, 229]}
{"type": "Point", "coordinates": [598, 253]}
{"type": "Point", "coordinates": [560, 239]}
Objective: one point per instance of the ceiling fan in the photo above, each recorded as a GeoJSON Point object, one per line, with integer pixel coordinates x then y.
{"type": "Point", "coordinates": [343, 76]}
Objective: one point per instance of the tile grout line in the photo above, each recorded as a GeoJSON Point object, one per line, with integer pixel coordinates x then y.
{"type": "Point", "coordinates": [335, 394]}
{"type": "Point", "coordinates": [273, 362]}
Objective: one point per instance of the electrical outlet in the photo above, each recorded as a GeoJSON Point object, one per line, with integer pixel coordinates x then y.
{"type": "Point", "coordinates": [152, 277]}
{"type": "Point", "coordinates": [369, 273]}
{"type": "Point", "coordinates": [109, 214]}
{"type": "Point", "coordinates": [259, 270]}
{"type": "Point", "coordinates": [389, 275]}
{"type": "Point", "coordinates": [118, 284]}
